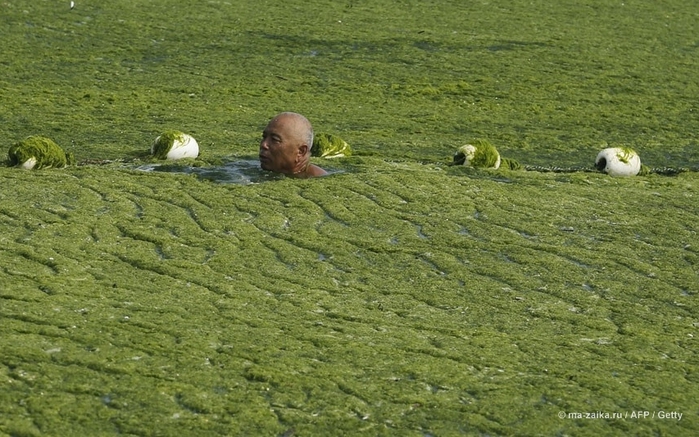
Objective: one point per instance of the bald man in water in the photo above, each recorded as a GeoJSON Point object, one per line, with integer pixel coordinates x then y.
{"type": "Point", "coordinates": [286, 146]}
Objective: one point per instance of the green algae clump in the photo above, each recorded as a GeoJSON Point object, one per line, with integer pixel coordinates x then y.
{"type": "Point", "coordinates": [37, 152]}
{"type": "Point", "coordinates": [330, 146]}
{"type": "Point", "coordinates": [479, 153]}
{"type": "Point", "coordinates": [625, 154]}
{"type": "Point", "coordinates": [510, 164]}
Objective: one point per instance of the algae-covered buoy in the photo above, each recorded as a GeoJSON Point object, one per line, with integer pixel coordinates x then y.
{"type": "Point", "coordinates": [618, 161]}
{"type": "Point", "coordinates": [37, 152]}
{"type": "Point", "coordinates": [174, 145]}
{"type": "Point", "coordinates": [330, 146]}
{"type": "Point", "coordinates": [480, 153]}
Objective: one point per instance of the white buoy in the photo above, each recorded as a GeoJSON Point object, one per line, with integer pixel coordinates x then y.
{"type": "Point", "coordinates": [174, 145]}
{"type": "Point", "coordinates": [618, 161]}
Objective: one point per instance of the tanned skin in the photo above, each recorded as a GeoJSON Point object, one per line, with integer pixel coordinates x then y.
{"type": "Point", "coordinates": [285, 146]}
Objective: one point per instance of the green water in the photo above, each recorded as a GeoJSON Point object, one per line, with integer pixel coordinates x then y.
{"type": "Point", "coordinates": [398, 296]}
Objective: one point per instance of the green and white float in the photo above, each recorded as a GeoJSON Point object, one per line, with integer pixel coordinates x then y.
{"type": "Point", "coordinates": [479, 153]}
{"type": "Point", "coordinates": [174, 145]}
{"type": "Point", "coordinates": [37, 152]}
{"type": "Point", "coordinates": [618, 161]}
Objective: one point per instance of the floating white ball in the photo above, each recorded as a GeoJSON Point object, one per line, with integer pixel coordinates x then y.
{"type": "Point", "coordinates": [618, 161]}
{"type": "Point", "coordinates": [174, 145]}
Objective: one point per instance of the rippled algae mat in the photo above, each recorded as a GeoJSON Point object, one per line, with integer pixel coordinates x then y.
{"type": "Point", "coordinates": [398, 296]}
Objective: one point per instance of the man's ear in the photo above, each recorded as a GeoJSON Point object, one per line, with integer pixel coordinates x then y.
{"type": "Point", "coordinates": [303, 149]}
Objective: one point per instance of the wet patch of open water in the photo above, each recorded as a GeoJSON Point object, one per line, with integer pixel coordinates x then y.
{"type": "Point", "coordinates": [241, 172]}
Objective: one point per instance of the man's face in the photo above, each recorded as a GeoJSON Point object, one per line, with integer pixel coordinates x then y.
{"type": "Point", "coordinates": [279, 146]}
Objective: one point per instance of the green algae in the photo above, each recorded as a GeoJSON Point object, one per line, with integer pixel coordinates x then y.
{"type": "Point", "coordinates": [330, 146]}
{"type": "Point", "coordinates": [625, 153]}
{"type": "Point", "coordinates": [510, 164]}
{"type": "Point", "coordinates": [401, 297]}
{"type": "Point", "coordinates": [39, 152]}
{"type": "Point", "coordinates": [407, 89]}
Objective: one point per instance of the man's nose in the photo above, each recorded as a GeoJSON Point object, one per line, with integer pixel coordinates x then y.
{"type": "Point", "coordinates": [263, 144]}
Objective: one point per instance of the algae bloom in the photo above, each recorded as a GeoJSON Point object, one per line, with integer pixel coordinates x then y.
{"type": "Point", "coordinates": [174, 145]}
{"type": "Point", "coordinates": [510, 164]}
{"type": "Point", "coordinates": [480, 153]}
{"type": "Point", "coordinates": [330, 146]}
{"type": "Point", "coordinates": [37, 152]}
{"type": "Point", "coordinates": [618, 161]}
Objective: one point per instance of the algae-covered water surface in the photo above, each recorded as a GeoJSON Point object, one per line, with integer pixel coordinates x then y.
{"type": "Point", "coordinates": [397, 296]}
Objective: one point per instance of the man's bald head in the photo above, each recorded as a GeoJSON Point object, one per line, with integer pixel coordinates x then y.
{"type": "Point", "coordinates": [286, 146]}
{"type": "Point", "coordinates": [298, 125]}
